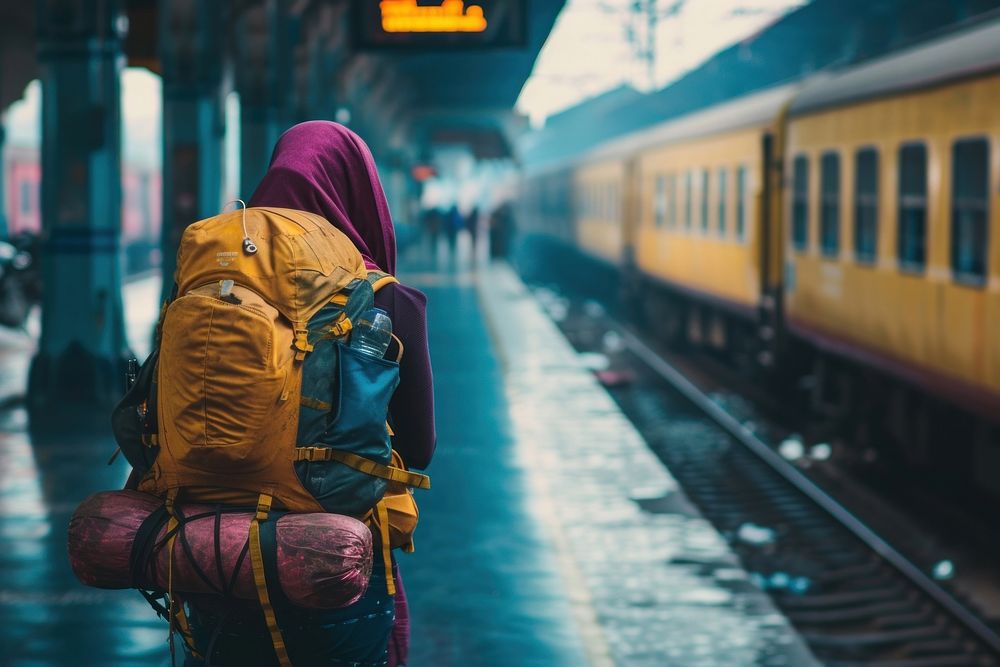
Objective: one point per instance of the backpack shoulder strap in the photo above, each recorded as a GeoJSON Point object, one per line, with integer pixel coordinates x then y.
{"type": "Point", "coordinates": [379, 279]}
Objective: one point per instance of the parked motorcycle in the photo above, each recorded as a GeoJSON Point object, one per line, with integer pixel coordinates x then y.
{"type": "Point", "coordinates": [20, 279]}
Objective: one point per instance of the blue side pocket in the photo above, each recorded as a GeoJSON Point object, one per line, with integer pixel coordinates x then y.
{"type": "Point", "coordinates": [356, 424]}
{"type": "Point", "coordinates": [318, 391]}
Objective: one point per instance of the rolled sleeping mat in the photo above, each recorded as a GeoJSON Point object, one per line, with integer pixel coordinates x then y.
{"type": "Point", "coordinates": [324, 560]}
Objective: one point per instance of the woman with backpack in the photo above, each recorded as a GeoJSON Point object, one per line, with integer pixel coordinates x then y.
{"type": "Point", "coordinates": [323, 168]}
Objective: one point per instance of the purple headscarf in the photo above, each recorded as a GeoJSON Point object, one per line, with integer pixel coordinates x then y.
{"type": "Point", "coordinates": [324, 168]}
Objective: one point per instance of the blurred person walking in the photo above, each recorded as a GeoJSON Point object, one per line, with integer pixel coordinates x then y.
{"type": "Point", "coordinates": [472, 225]}
{"type": "Point", "coordinates": [433, 220]}
{"type": "Point", "coordinates": [453, 225]}
{"type": "Point", "coordinates": [501, 230]}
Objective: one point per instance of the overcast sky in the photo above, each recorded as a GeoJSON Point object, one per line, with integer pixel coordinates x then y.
{"type": "Point", "coordinates": [589, 51]}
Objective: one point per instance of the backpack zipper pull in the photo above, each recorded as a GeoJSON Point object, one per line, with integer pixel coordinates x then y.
{"type": "Point", "coordinates": [226, 292]}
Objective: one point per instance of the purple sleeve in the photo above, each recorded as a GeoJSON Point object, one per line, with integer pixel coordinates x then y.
{"type": "Point", "coordinates": [411, 409]}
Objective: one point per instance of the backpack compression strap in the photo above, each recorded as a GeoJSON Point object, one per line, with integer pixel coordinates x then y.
{"type": "Point", "coordinates": [178, 617]}
{"type": "Point", "coordinates": [361, 464]}
{"type": "Point", "coordinates": [257, 562]}
{"type": "Point", "coordinates": [382, 521]}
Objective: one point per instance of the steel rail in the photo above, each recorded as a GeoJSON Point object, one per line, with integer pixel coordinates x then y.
{"type": "Point", "coordinates": [811, 490]}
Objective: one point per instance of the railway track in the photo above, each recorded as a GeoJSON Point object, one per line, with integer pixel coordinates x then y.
{"type": "Point", "coordinates": [855, 598]}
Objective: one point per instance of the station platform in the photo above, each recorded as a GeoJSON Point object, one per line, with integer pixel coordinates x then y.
{"type": "Point", "coordinates": [552, 535]}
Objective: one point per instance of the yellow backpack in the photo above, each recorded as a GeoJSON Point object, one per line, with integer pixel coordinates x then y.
{"type": "Point", "coordinates": [258, 291]}
{"type": "Point", "coordinates": [230, 355]}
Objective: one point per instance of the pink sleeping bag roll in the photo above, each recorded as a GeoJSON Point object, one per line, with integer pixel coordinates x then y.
{"type": "Point", "coordinates": [324, 560]}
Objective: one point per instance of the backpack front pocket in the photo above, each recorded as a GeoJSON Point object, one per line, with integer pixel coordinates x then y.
{"type": "Point", "coordinates": [227, 378]}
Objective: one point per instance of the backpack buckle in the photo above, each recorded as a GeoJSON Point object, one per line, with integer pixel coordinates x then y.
{"type": "Point", "coordinates": [302, 344]}
{"type": "Point", "coordinates": [342, 327]}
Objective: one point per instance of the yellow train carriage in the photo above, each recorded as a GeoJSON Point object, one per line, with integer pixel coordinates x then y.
{"type": "Point", "coordinates": [892, 216]}
{"type": "Point", "coordinates": [700, 213]}
{"type": "Point", "coordinates": [599, 187]}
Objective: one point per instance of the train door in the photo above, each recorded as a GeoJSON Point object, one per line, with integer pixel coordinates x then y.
{"type": "Point", "coordinates": [769, 214]}
{"type": "Point", "coordinates": [631, 212]}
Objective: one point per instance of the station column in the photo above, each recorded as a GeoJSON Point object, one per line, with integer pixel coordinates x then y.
{"type": "Point", "coordinates": [82, 347]}
{"type": "Point", "coordinates": [264, 49]}
{"type": "Point", "coordinates": [325, 48]}
{"type": "Point", "coordinates": [191, 58]}
{"type": "Point", "coordinates": [4, 231]}
{"type": "Point", "coordinates": [260, 127]}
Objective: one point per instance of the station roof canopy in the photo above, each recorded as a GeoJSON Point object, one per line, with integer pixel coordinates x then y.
{"type": "Point", "coordinates": [451, 79]}
{"type": "Point", "coordinates": [479, 78]}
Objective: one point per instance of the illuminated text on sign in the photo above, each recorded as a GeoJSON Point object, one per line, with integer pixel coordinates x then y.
{"type": "Point", "coordinates": [449, 16]}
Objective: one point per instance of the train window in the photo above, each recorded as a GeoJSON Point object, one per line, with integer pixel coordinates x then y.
{"type": "Point", "coordinates": [912, 233]}
{"type": "Point", "coordinates": [970, 188]}
{"type": "Point", "coordinates": [829, 219]}
{"type": "Point", "coordinates": [800, 202]}
{"type": "Point", "coordinates": [741, 197]}
{"type": "Point", "coordinates": [866, 205]}
{"type": "Point", "coordinates": [704, 200]}
{"type": "Point", "coordinates": [672, 201]}
{"type": "Point", "coordinates": [688, 199]}
{"type": "Point", "coordinates": [660, 200]}
{"type": "Point", "coordinates": [722, 194]}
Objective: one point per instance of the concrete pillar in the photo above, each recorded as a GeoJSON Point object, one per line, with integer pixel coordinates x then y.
{"type": "Point", "coordinates": [323, 44]}
{"type": "Point", "coordinates": [260, 126]}
{"type": "Point", "coordinates": [319, 99]}
{"type": "Point", "coordinates": [266, 37]}
{"type": "Point", "coordinates": [4, 231]}
{"type": "Point", "coordinates": [81, 353]}
{"type": "Point", "coordinates": [191, 57]}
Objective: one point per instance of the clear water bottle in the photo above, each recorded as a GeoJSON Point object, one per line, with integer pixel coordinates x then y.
{"type": "Point", "coordinates": [372, 333]}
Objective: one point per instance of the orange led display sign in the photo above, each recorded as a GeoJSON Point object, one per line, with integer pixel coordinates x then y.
{"type": "Point", "coordinates": [431, 25]}
{"type": "Point", "coordinates": [449, 16]}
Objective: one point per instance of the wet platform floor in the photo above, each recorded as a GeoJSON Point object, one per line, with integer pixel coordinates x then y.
{"type": "Point", "coordinates": [533, 547]}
